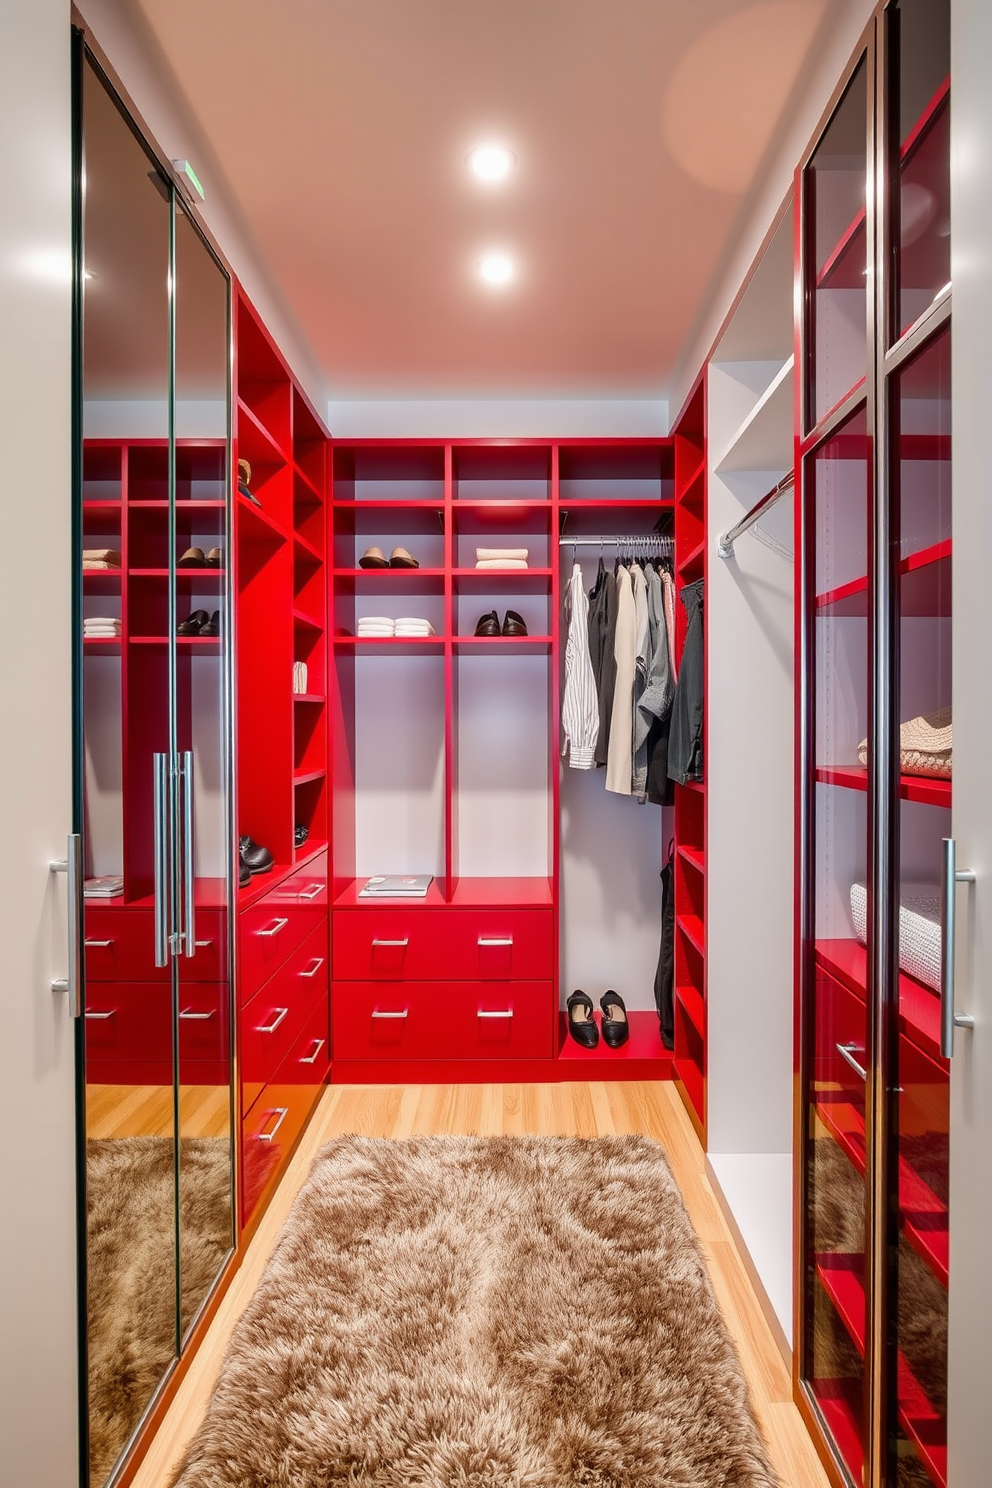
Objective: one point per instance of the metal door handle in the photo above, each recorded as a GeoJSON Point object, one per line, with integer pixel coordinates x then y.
{"type": "Point", "coordinates": [273, 929]}
{"type": "Point", "coordinates": [271, 1027]}
{"type": "Point", "coordinates": [315, 966]}
{"type": "Point", "coordinates": [950, 877]}
{"type": "Point", "coordinates": [93, 945]}
{"type": "Point", "coordinates": [311, 892]}
{"type": "Point", "coordinates": [201, 945]}
{"type": "Point", "coordinates": [495, 940]}
{"type": "Point", "coordinates": [404, 942]}
{"type": "Point", "coordinates": [282, 1112]}
{"type": "Point", "coordinates": [404, 1014]}
{"type": "Point", "coordinates": [160, 805]}
{"type": "Point", "coordinates": [847, 1053]}
{"type": "Point", "coordinates": [508, 1013]}
{"type": "Point", "coordinates": [99, 1017]}
{"type": "Point", "coordinates": [72, 867]}
{"type": "Point", "coordinates": [189, 882]}
{"type": "Point", "coordinates": [189, 1016]}
{"type": "Point", "coordinates": [312, 1058]}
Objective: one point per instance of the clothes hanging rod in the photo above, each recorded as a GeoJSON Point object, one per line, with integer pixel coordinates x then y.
{"type": "Point", "coordinates": [725, 542]}
{"type": "Point", "coordinates": [637, 539]}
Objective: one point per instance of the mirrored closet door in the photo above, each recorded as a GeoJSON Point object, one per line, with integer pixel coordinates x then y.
{"type": "Point", "coordinates": [154, 771]}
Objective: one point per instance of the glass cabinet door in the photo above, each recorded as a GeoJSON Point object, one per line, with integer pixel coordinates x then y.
{"type": "Point", "coordinates": [837, 484]}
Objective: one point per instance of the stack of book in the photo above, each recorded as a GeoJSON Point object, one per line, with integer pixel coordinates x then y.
{"type": "Point", "coordinates": [396, 886]}
{"type": "Point", "coordinates": [106, 887]}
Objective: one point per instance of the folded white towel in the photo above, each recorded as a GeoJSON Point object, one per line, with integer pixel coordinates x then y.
{"type": "Point", "coordinates": [482, 554]}
{"type": "Point", "coordinates": [504, 563]}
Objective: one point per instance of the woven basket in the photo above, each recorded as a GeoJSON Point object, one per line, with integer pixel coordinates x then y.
{"type": "Point", "coordinates": [924, 745]}
{"type": "Point", "coordinates": [919, 928]}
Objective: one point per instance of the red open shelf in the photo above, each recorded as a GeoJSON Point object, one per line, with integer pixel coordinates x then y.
{"type": "Point", "coordinates": [691, 927]}
{"type": "Point", "coordinates": [693, 560]}
{"type": "Point", "coordinates": [919, 1007]}
{"type": "Point", "coordinates": [847, 601]}
{"type": "Point", "coordinates": [694, 856]}
{"type": "Point", "coordinates": [255, 443]}
{"type": "Point", "coordinates": [644, 1043]}
{"type": "Point", "coordinates": [691, 1000]}
{"type": "Point", "coordinates": [921, 788]}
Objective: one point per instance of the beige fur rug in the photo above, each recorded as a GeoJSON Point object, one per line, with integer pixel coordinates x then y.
{"type": "Point", "coordinates": [470, 1312]}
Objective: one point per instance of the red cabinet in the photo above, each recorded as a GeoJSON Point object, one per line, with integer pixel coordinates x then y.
{"type": "Point", "coordinates": [443, 944]}
{"type": "Point", "coordinates": [443, 1020]}
{"type": "Point", "coordinates": [273, 1018]}
{"type": "Point", "coordinates": [120, 946]}
{"type": "Point", "coordinates": [276, 925]}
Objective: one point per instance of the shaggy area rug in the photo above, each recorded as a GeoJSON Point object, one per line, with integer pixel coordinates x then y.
{"type": "Point", "coordinates": [470, 1312]}
{"type": "Point", "coordinates": [131, 1269]}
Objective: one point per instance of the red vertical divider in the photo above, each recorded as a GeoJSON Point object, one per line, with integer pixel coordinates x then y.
{"type": "Point", "coordinates": [450, 685]}
{"type": "Point", "coordinates": [554, 728]}
{"type": "Point", "coordinates": [340, 686]}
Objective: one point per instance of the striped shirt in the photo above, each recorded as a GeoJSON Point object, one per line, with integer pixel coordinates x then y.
{"type": "Point", "coordinates": [580, 704]}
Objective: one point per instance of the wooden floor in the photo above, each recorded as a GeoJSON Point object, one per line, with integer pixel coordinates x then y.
{"type": "Point", "coordinates": [599, 1109]}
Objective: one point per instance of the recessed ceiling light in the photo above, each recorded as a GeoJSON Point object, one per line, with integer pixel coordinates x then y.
{"type": "Point", "coordinates": [491, 163]}
{"type": "Point", "coordinates": [496, 269]}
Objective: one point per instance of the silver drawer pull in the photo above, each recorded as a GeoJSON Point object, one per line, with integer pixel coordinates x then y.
{"type": "Point", "coordinates": [282, 1112]}
{"type": "Point", "coordinates": [99, 1017]}
{"type": "Point", "coordinates": [495, 940]}
{"type": "Point", "coordinates": [311, 892]}
{"type": "Point", "coordinates": [507, 1014]}
{"type": "Point", "coordinates": [97, 944]}
{"type": "Point", "coordinates": [847, 1053]}
{"type": "Point", "coordinates": [312, 1058]}
{"type": "Point", "coordinates": [189, 1016]}
{"type": "Point", "coordinates": [271, 1027]}
{"type": "Point", "coordinates": [404, 1014]}
{"type": "Point", "coordinates": [273, 929]}
{"type": "Point", "coordinates": [315, 966]}
{"type": "Point", "coordinates": [201, 945]}
{"type": "Point", "coordinates": [404, 942]}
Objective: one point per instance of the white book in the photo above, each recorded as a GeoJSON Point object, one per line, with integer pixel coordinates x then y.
{"type": "Point", "coordinates": [397, 886]}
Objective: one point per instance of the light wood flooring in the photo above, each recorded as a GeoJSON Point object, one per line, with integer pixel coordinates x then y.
{"type": "Point", "coordinates": [597, 1109]}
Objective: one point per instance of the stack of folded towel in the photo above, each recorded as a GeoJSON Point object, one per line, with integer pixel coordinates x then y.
{"type": "Point", "coordinates": [101, 628]}
{"type": "Point", "coordinates": [501, 557]}
{"type": "Point", "coordinates": [299, 676]}
{"type": "Point", "coordinates": [94, 558]}
{"type": "Point", "coordinates": [380, 625]}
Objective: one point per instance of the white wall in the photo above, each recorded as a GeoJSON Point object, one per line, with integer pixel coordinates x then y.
{"type": "Point", "coordinates": [510, 418]}
{"type": "Point", "coordinates": [38, 1423]}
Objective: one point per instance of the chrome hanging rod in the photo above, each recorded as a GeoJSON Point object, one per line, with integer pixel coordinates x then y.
{"type": "Point", "coordinates": [652, 541]}
{"type": "Point", "coordinates": [725, 542]}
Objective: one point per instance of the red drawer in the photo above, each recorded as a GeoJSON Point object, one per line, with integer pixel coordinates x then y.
{"type": "Point", "coordinates": [442, 944]}
{"type": "Point", "coordinates": [204, 1023]}
{"type": "Point", "coordinates": [129, 1021]}
{"type": "Point", "coordinates": [277, 924]}
{"type": "Point", "coordinates": [120, 946]}
{"type": "Point", "coordinates": [271, 1021]}
{"type": "Point", "coordinates": [841, 1023]}
{"type": "Point", "coordinates": [270, 1129]}
{"type": "Point", "coordinates": [444, 1020]}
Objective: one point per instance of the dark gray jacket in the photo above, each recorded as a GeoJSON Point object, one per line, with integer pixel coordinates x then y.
{"type": "Point", "coordinates": [685, 748]}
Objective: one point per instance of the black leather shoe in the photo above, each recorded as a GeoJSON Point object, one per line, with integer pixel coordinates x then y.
{"type": "Point", "coordinates": [488, 625]}
{"type": "Point", "coordinates": [616, 1029]}
{"type": "Point", "coordinates": [244, 875]}
{"type": "Point", "coordinates": [300, 834]}
{"type": "Point", "coordinates": [212, 627]}
{"type": "Point", "coordinates": [193, 625]}
{"type": "Point", "coordinates": [255, 858]}
{"type": "Point", "coordinates": [583, 1030]}
{"type": "Point", "coordinates": [514, 624]}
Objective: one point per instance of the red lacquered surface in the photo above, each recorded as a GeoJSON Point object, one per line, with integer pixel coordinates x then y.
{"type": "Point", "coordinates": [443, 1020]}
{"type": "Point", "coordinates": [278, 923]}
{"type": "Point", "coordinates": [129, 1022]}
{"type": "Point", "coordinates": [643, 1044]}
{"type": "Point", "coordinates": [272, 1019]}
{"type": "Point", "coordinates": [445, 944]}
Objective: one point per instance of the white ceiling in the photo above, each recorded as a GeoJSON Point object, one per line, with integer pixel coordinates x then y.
{"type": "Point", "coordinates": [341, 127]}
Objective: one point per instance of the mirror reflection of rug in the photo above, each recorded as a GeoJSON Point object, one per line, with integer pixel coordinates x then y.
{"type": "Point", "coordinates": [131, 1281]}
{"type": "Point", "coordinates": [491, 1312]}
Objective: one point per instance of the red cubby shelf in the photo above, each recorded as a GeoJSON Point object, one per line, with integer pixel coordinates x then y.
{"type": "Point", "coordinates": [919, 1008]}
{"type": "Point", "coordinates": [309, 697]}
{"type": "Point", "coordinates": [691, 926]}
{"type": "Point", "coordinates": [694, 856]}
{"type": "Point", "coordinates": [691, 1000]}
{"type": "Point", "coordinates": [921, 788]}
{"type": "Point", "coordinates": [692, 563]}
{"type": "Point", "coordinates": [641, 1057]}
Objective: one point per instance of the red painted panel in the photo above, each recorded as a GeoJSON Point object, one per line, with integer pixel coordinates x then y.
{"type": "Point", "coordinates": [443, 1020]}
{"type": "Point", "coordinates": [129, 1021]}
{"type": "Point", "coordinates": [416, 944]}
{"type": "Point", "coordinates": [272, 1020]}
{"type": "Point", "coordinates": [274, 926]}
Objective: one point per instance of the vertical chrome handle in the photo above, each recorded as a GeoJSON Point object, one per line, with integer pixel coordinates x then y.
{"type": "Point", "coordinates": [189, 882]}
{"type": "Point", "coordinates": [160, 805]}
{"type": "Point", "coordinates": [950, 877]}
{"type": "Point", "coordinates": [72, 867]}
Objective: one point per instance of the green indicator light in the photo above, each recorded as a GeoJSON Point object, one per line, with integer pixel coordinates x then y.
{"type": "Point", "coordinates": [185, 169]}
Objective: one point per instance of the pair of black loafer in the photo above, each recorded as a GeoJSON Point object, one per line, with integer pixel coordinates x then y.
{"type": "Point", "coordinates": [616, 1030]}
{"type": "Point", "coordinates": [513, 625]}
{"type": "Point", "coordinates": [200, 623]}
{"type": "Point", "coordinates": [252, 858]}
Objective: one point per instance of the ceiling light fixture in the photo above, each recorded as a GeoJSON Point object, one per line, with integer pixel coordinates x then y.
{"type": "Point", "coordinates": [491, 163]}
{"type": "Point", "coordinates": [496, 269]}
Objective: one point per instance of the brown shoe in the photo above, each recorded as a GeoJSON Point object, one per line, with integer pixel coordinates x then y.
{"type": "Point", "coordinates": [373, 558]}
{"type": "Point", "coordinates": [400, 558]}
{"type": "Point", "coordinates": [488, 624]}
{"type": "Point", "coordinates": [192, 558]}
{"type": "Point", "coordinates": [514, 624]}
{"type": "Point", "coordinates": [215, 558]}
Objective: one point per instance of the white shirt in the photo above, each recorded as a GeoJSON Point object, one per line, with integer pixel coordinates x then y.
{"type": "Point", "coordinates": [580, 706]}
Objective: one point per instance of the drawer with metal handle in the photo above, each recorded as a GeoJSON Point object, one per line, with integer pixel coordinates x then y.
{"type": "Point", "coordinates": [272, 1019]}
{"type": "Point", "coordinates": [411, 944]}
{"type": "Point", "coordinates": [119, 945]}
{"type": "Point", "coordinates": [443, 1020]}
{"type": "Point", "coordinates": [277, 924]}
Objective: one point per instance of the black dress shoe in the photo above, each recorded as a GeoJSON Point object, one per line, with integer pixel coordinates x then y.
{"type": "Point", "coordinates": [514, 624]}
{"type": "Point", "coordinates": [193, 624]}
{"type": "Point", "coordinates": [583, 1030]}
{"type": "Point", "coordinates": [616, 1029]}
{"type": "Point", "coordinates": [255, 858]}
{"type": "Point", "coordinates": [212, 627]}
{"type": "Point", "coordinates": [488, 624]}
{"type": "Point", "coordinates": [244, 875]}
{"type": "Point", "coordinates": [300, 834]}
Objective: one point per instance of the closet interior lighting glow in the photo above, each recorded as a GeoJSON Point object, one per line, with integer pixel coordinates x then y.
{"type": "Point", "coordinates": [496, 270]}
{"type": "Point", "coordinates": [491, 163]}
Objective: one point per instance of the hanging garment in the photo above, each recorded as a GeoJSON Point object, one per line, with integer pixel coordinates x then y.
{"type": "Point", "coordinates": [642, 656]}
{"type": "Point", "coordinates": [608, 674]}
{"type": "Point", "coordinates": [579, 708]}
{"type": "Point", "coordinates": [618, 762]}
{"type": "Point", "coordinates": [664, 977]}
{"type": "Point", "coordinates": [597, 623]}
{"type": "Point", "coordinates": [655, 701]}
{"type": "Point", "coordinates": [668, 588]}
{"type": "Point", "coordinates": [685, 749]}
